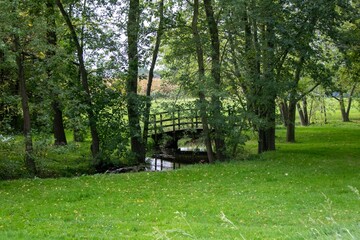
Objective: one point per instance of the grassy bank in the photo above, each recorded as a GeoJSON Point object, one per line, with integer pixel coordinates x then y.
{"type": "Point", "coordinates": [307, 190]}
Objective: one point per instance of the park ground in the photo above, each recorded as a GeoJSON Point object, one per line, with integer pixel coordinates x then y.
{"type": "Point", "coordinates": [306, 190]}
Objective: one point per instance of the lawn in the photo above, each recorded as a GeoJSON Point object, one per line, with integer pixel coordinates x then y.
{"type": "Point", "coordinates": [306, 190]}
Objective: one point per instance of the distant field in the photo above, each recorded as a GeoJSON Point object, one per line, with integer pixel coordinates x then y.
{"type": "Point", "coordinates": [306, 190]}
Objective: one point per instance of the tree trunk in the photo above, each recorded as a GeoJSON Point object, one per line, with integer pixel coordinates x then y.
{"type": "Point", "coordinates": [290, 126]}
{"type": "Point", "coordinates": [95, 145]}
{"type": "Point", "coordinates": [29, 159]}
{"type": "Point", "coordinates": [260, 85]}
{"type": "Point", "coordinates": [303, 112]}
{"type": "Point", "coordinates": [201, 69]}
{"type": "Point", "coordinates": [350, 99]}
{"type": "Point", "coordinates": [266, 132]}
{"type": "Point", "coordinates": [151, 71]}
{"type": "Point", "coordinates": [284, 111]}
{"type": "Point", "coordinates": [344, 113]}
{"type": "Point", "coordinates": [290, 130]}
{"type": "Point", "coordinates": [268, 93]}
{"type": "Point", "coordinates": [323, 110]}
{"type": "Point", "coordinates": [301, 115]}
{"type": "Point", "coordinates": [215, 73]}
{"type": "Point", "coordinates": [137, 145]}
{"type": "Point", "coordinates": [58, 124]}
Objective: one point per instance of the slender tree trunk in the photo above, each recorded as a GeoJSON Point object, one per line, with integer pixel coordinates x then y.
{"type": "Point", "coordinates": [345, 110]}
{"type": "Point", "coordinates": [159, 34]}
{"type": "Point", "coordinates": [95, 146]}
{"type": "Point", "coordinates": [133, 24]}
{"type": "Point", "coordinates": [290, 130]}
{"type": "Point", "coordinates": [344, 113]}
{"type": "Point", "coordinates": [58, 124]}
{"type": "Point", "coordinates": [323, 110]}
{"type": "Point", "coordinates": [303, 120]}
{"type": "Point", "coordinates": [79, 133]}
{"type": "Point", "coordinates": [303, 112]}
{"type": "Point", "coordinates": [290, 127]}
{"type": "Point", "coordinates": [201, 69]}
{"type": "Point", "coordinates": [284, 111]}
{"type": "Point", "coordinates": [29, 159]}
{"type": "Point", "coordinates": [350, 99]}
{"type": "Point", "coordinates": [215, 72]}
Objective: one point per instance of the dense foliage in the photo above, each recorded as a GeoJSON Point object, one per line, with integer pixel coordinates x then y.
{"type": "Point", "coordinates": [74, 65]}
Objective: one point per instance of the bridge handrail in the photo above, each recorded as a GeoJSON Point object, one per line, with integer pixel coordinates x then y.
{"type": "Point", "coordinates": [178, 119]}
{"type": "Point", "coordinates": [174, 120]}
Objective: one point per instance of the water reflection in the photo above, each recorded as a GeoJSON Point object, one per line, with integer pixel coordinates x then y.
{"type": "Point", "coordinates": [192, 149]}
{"type": "Point", "coordinates": [170, 159]}
{"type": "Point", "coordinates": [158, 164]}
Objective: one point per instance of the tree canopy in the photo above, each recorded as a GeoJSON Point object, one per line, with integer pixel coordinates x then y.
{"type": "Point", "coordinates": [74, 65]}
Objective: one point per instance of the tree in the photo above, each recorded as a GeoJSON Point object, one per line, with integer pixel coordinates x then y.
{"type": "Point", "coordinates": [279, 44]}
{"type": "Point", "coordinates": [133, 102]}
{"type": "Point", "coordinates": [159, 34]}
{"type": "Point", "coordinates": [316, 19]}
{"type": "Point", "coordinates": [344, 87]}
{"type": "Point", "coordinates": [17, 41]}
{"type": "Point", "coordinates": [29, 159]}
{"type": "Point", "coordinates": [218, 121]}
{"type": "Point", "coordinates": [58, 124]}
{"type": "Point", "coordinates": [258, 21]}
{"type": "Point", "coordinates": [95, 146]}
{"type": "Point", "coordinates": [201, 78]}
{"type": "Point", "coordinates": [347, 58]}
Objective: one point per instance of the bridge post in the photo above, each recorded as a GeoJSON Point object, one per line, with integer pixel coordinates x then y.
{"type": "Point", "coordinates": [196, 119]}
{"type": "Point", "coordinates": [179, 122]}
{"type": "Point", "coordinates": [161, 120]}
{"type": "Point", "coordinates": [192, 118]}
{"type": "Point", "coordinates": [173, 121]}
{"type": "Point", "coordinates": [155, 130]}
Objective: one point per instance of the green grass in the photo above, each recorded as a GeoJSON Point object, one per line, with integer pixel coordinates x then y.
{"type": "Point", "coordinates": [306, 190]}
{"type": "Point", "coordinates": [51, 161]}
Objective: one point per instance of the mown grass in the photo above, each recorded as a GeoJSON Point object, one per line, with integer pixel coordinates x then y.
{"type": "Point", "coordinates": [306, 190]}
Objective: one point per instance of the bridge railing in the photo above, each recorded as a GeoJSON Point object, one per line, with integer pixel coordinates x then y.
{"type": "Point", "coordinates": [188, 118]}
{"type": "Point", "coordinates": [178, 119]}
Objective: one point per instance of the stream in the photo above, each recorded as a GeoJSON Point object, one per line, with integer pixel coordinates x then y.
{"type": "Point", "coordinates": [170, 159]}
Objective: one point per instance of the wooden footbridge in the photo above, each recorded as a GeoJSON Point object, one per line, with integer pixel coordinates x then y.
{"type": "Point", "coordinates": [168, 127]}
